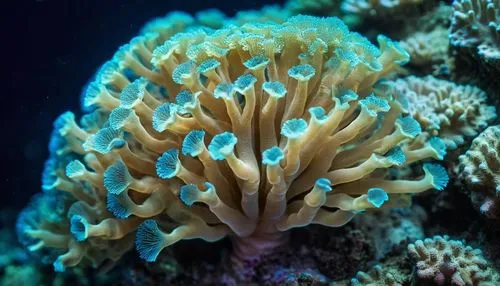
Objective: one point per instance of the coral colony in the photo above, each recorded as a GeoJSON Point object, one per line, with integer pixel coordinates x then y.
{"type": "Point", "coordinates": [249, 127]}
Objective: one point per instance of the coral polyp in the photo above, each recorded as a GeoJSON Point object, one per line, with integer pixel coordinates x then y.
{"type": "Point", "coordinates": [243, 132]}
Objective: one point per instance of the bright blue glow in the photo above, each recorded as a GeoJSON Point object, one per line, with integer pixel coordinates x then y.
{"type": "Point", "coordinates": [377, 197]}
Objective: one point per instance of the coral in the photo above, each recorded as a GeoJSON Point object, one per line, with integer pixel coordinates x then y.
{"type": "Point", "coordinates": [386, 11]}
{"type": "Point", "coordinates": [244, 132]}
{"type": "Point", "coordinates": [26, 275]}
{"type": "Point", "coordinates": [429, 51]}
{"type": "Point", "coordinates": [392, 229]}
{"type": "Point", "coordinates": [479, 169]}
{"type": "Point", "coordinates": [454, 112]}
{"type": "Point", "coordinates": [378, 277]}
{"type": "Point", "coordinates": [450, 262]}
{"type": "Point", "coordinates": [314, 7]}
{"type": "Point", "coordinates": [475, 30]}
{"type": "Point", "coordinates": [339, 253]}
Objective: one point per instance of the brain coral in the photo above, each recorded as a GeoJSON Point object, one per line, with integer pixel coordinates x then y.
{"type": "Point", "coordinates": [444, 108]}
{"type": "Point", "coordinates": [479, 168]}
{"type": "Point", "coordinates": [244, 132]}
{"type": "Point", "coordinates": [450, 262]}
{"type": "Point", "coordinates": [475, 28]}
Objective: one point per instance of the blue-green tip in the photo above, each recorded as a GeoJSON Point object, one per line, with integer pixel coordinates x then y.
{"type": "Point", "coordinates": [149, 240]}
{"type": "Point", "coordinates": [256, 63]}
{"type": "Point", "coordinates": [208, 65]}
{"type": "Point", "coordinates": [58, 265]}
{"type": "Point", "coordinates": [396, 156]}
{"type": "Point", "coordinates": [188, 194]}
{"type": "Point", "coordinates": [222, 145]}
{"type": "Point", "coordinates": [187, 101]}
{"type": "Point", "coordinates": [375, 104]}
{"type": "Point", "coordinates": [79, 227]}
{"type": "Point", "coordinates": [377, 197]}
{"type": "Point", "coordinates": [63, 122]}
{"type": "Point", "coordinates": [224, 91]}
{"type": "Point", "coordinates": [294, 128]}
{"type": "Point", "coordinates": [164, 116]}
{"type": "Point", "coordinates": [439, 146]}
{"type": "Point", "coordinates": [117, 179]}
{"type": "Point", "coordinates": [193, 143]}
{"type": "Point", "coordinates": [439, 175]}
{"type": "Point", "coordinates": [324, 184]}
{"type": "Point", "coordinates": [302, 72]}
{"type": "Point", "coordinates": [409, 126]}
{"type": "Point", "coordinates": [183, 71]}
{"type": "Point", "coordinates": [133, 93]}
{"type": "Point", "coordinates": [318, 114]}
{"type": "Point", "coordinates": [118, 117]}
{"type": "Point", "coordinates": [168, 164]}
{"type": "Point", "coordinates": [107, 139]}
{"type": "Point", "coordinates": [275, 89]}
{"type": "Point", "coordinates": [75, 169]}
{"type": "Point", "coordinates": [244, 83]}
{"type": "Point", "coordinates": [272, 156]}
{"type": "Point", "coordinates": [115, 207]}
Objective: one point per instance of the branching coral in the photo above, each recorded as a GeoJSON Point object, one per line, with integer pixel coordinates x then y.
{"type": "Point", "coordinates": [429, 51]}
{"type": "Point", "coordinates": [386, 11]}
{"type": "Point", "coordinates": [243, 132]}
{"type": "Point", "coordinates": [475, 27]}
{"type": "Point", "coordinates": [444, 108]}
{"type": "Point", "coordinates": [479, 169]}
{"type": "Point", "coordinates": [376, 277]}
{"type": "Point", "coordinates": [450, 262]}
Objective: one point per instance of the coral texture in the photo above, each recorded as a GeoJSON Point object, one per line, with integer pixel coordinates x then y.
{"type": "Point", "coordinates": [479, 169]}
{"type": "Point", "coordinates": [454, 112]}
{"type": "Point", "coordinates": [429, 51]}
{"type": "Point", "coordinates": [450, 262]}
{"type": "Point", "coordinates": [377, 277]}
{"type": "Point", "coordinates": [314, 7]}
{"type": "Point", "coordinates": [386, 11]}
{"type": "Point", "coordinates": [475, 29]}
{"type": "Point", "coordinates": [244, 132]}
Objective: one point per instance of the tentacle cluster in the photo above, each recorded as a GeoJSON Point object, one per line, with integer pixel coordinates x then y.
{"type": "Point", "coordinates": [243, 132]}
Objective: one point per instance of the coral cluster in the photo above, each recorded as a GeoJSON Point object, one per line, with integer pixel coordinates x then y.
{"type": "Point", "coordinates": [313, 7]}
{"type": "Point", "coordinates": [454, 112]}
{"type": "Point", "coordinates": [475, 30]}
{"type": "Point", "coordinates": [386, 11]}
{"type": "Point", "coordinates": [244, 132]}
{"type": "Point", "coordinates": [479, 169]}
{"type": "Point", "coordinates": [429, 51]}
{"type": "Point", "coordinates": [377, 277]}
{"type": "Point", "coordinates": [450, 262]}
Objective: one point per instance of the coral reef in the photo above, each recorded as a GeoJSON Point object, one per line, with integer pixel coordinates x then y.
{"type": "Point", "coordinates": [386, 11]}
{"type": "Point", "coordinates": [479, 169]}
{"type": "Point", "coordinates": [314, 7]}
{"type": "Point", "coordinates": [454, 112]}
{"type": "Point", "coordinates": [378, 277]}
{"type": "Point", "coordinates": [391, 230]}
{"type": "Point", "coordinates": [475, 30]}
{"type": "Point", "coordinates": [429, 52]}
{"type": "Point", "coordinates": [244, 132]}
{"type": "Point", "coordinates": [450, 262]}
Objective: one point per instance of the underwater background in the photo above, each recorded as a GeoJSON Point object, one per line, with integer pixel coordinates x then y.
{"type": "Point", "coordinates": [412, 195]}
